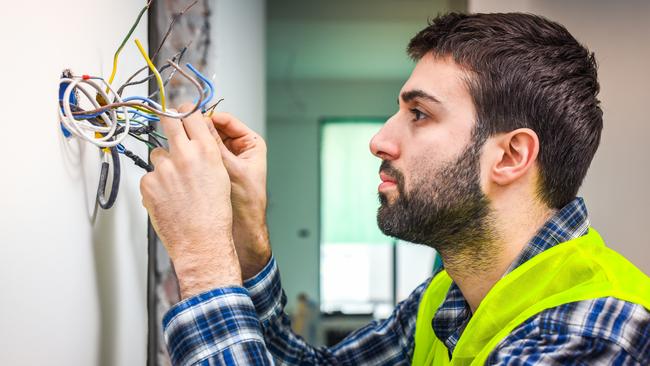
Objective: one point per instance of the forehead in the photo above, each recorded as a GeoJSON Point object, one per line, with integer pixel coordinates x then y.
{"type": "Point", "coordinates": [443, 78]}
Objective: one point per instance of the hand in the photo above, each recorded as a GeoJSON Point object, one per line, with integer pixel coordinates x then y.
{"type": "Point", "coordinates": [188, 199]}
{"type": "Point", "coordinates": [244, 155]}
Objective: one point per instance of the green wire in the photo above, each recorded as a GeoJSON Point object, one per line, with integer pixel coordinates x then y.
{"type": "Point", "coordinates": [128, 35]}
{"type": "Point", "coordinates": [149, 144]}
{"type": "Point", "coordinates": [158, 135]}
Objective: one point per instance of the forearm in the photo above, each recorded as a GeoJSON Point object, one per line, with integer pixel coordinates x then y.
{"type": "Point", "coordinates": [208, 269]}
{"type": "Point", "coordinates": [384, 342]}
{"type": "Point", "coordinates": [251, 238]}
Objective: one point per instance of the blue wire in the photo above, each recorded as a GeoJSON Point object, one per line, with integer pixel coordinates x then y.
{"type": "Point", "coordinates": [120, 148]}
{"type": "Point", "coordinates": [148, 117]}
{"type": "Point", "coordinates": [209, 89]}
{"type": "Point", "coordinates": [206, 81]}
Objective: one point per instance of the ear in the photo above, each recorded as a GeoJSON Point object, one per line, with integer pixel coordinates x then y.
{"type": "Point", "coordinates": [517, 153]}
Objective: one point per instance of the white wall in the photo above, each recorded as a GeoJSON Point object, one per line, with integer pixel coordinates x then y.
{"type": "Point", "coordinates": [616, 188]}
{"type": "Point", "coordinates": [73, 288]}
{"type": "Point", "coordinates": [238, 55]}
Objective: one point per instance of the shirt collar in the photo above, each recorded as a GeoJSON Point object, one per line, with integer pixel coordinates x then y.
{"type": "Point", "coordinates": [570, 222]}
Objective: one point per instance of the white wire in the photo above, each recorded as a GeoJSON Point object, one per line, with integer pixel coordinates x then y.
{"type": "Point", "coordinates": [86, 130]}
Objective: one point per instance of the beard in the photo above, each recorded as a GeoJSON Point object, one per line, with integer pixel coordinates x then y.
{"type": "Point", "coordinates": [444, 209]}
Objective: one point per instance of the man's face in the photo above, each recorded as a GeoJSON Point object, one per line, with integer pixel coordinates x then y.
{"type": "Point", "coordinates": [430, 191]}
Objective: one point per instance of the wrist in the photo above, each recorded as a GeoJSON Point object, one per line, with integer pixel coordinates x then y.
{"type": "Point", "coordinates": [201, 271]}
{"type": "Point", "coordinates": [253, 248]}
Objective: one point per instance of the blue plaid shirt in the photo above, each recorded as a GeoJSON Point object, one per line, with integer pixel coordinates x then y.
{"type": "Point", "coordinates": [247, 325]}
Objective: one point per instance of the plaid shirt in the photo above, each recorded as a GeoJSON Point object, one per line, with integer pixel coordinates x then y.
{"type": "Point", "coordinates": [247, 325]}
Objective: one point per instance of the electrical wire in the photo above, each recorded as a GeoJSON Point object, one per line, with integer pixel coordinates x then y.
{"type": "Point", "coordinates": [113, 118]}
{"type": "Point", "coordinates": [160, 45]}
{"type": "Point", "coordinates": [161, 87]}
{"type": "Point", "coordinates": [126, 38]}
{"type": "Point", "coordinates": [103, 201]}
{"type": "Point", "coordinates": [208, 83]}
{"type": "Point", "coordinates": [149, 105]}
{"type": "Point", "coordinates": [85, 129]}
{"type": "Point", "coordinates": [211, 108]}
{"type": "Point", "coordinates": [176, 58]}
{"type": "Point", "coordinates": [100, 125]}
{"type": "Point", "coordinates": [149, 144]}
{"type": "Point", "coordinates": [138, 160]}
{"type": "Point", "coordinates": [171, 26]}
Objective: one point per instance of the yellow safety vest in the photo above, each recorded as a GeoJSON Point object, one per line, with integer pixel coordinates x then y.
{"type": "Point", "coordinates": [576, 270]}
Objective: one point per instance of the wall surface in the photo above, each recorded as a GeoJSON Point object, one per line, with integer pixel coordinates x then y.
{"type": "Point", "coordinates": [73, 289]}
{"type": "Point", "coordinates": [616, 187]}
{"type": "Point", "coordinates": [238, 56]}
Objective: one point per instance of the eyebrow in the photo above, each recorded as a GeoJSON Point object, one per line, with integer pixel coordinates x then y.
{"type": "Point", "coordinates": [410, 95]}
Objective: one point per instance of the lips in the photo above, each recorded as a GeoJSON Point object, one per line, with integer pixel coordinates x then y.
{"type": "Point", "coordinates": [387, 182]}
{"type": "Point", "coordinates": [387, 178]}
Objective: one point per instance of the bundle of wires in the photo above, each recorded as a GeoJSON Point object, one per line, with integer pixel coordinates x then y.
{"type": "Point", "coordinates": [111, 117]}
{"type": "Point", "coordinates": [99, 125]}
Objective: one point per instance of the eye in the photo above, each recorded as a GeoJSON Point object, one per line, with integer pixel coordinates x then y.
{"type": "Point", "coordinates": [417, 114]}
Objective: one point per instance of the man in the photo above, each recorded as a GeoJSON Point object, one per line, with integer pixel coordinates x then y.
{"type": "Point", "coordinates": [495, 131]}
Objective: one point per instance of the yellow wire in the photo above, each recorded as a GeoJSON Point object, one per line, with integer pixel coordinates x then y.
{"type": "Point", "coordinates": [112, 77]}
{"type": "Point", "coordinates": [155, 72]}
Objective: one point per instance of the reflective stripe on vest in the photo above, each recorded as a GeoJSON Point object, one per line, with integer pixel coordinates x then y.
{"type": "Point", "coordinates": [576, 270]}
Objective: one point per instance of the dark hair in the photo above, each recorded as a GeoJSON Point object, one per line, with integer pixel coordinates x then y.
{"type": "Point", "coordinates": [526, 71]}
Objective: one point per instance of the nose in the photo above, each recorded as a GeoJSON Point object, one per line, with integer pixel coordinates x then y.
{"type": "Point", "coordinates": [384, 144]}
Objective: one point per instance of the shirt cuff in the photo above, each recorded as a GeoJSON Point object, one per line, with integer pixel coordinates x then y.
{"type": "Point", "coordinates": [205, 325]}
{"type": "Point", "coordinates": [265, 289]}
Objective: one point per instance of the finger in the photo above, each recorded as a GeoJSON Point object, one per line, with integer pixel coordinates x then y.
{"type": "Point", "coordinates": [173, 129]}
{"type": "Point", "coordinates": [230, 126]}
{"type": "Point", "coordinates": [158, 155]}
{"type": "Point", "coordinates": [215, 133]}
{"type": "Point", "coordinates": [194, 125]}
{"type": "Point", "coordinates": [225, 152]}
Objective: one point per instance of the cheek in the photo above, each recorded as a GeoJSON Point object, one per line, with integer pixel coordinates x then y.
{"type": "Point", "coordinates": [428, 147]}
{"type": "Point", "coordinates": [419, 169]}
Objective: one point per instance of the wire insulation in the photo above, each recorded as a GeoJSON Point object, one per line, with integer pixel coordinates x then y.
{"type": "Point", "coordinates": [161, 87]}
{"type": "Point", "coordinates": [126, 38]}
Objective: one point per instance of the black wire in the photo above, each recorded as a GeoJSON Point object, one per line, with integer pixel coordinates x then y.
{"type": "Point", "coordinates": [141, 130]}
{"type": "Point", "coordinates": [155, 139]}
{"type": "Point", "coordinates": [138, 161]}
{"type": "Point", "coordinates": [103, 202]}
{"type": "Point", "coordinates": [149, 144]}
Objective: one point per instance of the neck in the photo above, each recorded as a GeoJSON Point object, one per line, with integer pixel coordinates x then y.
{"type": "Point", "coordinates": [476, 271]}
